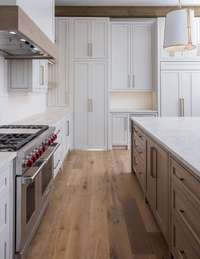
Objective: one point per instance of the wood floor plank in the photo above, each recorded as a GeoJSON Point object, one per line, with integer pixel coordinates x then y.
{"type": "Point", "coordinates": [97, 211]}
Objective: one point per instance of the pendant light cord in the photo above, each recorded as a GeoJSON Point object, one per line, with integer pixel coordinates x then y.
{"type": "Point", "coordinates": [179, 3]}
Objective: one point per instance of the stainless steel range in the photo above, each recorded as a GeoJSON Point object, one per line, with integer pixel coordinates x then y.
{"type": "Point", "coordinates": [35, 146]}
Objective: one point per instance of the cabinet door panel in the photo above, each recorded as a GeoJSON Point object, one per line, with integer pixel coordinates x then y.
{"type": "Point", "coordinates": [169, 93]}
{"type": "Point", "coordinates": [81, 38]}
{"type": "Point", "coordinates": [120, 56]}
{"type": "Point", "coordinates": [195, 93]}
{"type": "Point", "coordinates": [141, 57]}
{"type": "Point", "coordinates": [119, 130]}
{"type": "Point", "coordinates": [185, 88]}
{"type": "Point", "coordinates": [97, 110]}
{"type": "Point", "coordinates": [162, 191]}
{"type": "Point", "coordinates": [81, 84]}
{"type": "Point", "coordinates": [151, 175]}
{"type": "Point", "coordinates": [20, 75]}
{"type": "Point", "coordinates": [99, 39]}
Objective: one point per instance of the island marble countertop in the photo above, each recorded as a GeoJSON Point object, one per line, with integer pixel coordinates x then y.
{"type": "Point", "coordinates": [179, 135]}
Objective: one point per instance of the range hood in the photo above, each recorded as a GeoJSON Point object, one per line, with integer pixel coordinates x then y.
{"type": "Point", "coordinates": [21, 38]}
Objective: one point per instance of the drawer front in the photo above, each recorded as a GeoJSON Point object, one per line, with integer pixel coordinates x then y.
{"type": "Point", "coordinates": [141, 136]}
{"type": "Point", "coordinates": [187, 208]}
{"type": "Point", "coordinates": [185, 180]}
{"type": "Point", "coordinates": [184, 245]}
{"type": "Point", "coordinates": [139, 147]}
{"type": "Point", "coordinates": [140, 170]}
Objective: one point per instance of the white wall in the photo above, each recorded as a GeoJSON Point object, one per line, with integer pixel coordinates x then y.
{"type": "Point", "coordinates": [16, 106]}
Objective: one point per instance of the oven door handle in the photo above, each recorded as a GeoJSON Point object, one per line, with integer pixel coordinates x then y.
{"type": "Point", "coordinates": [32, 173]}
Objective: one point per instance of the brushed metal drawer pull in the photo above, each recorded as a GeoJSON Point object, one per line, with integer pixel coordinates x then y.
{"type": "Point", "coordinates": [140, 152]}
{"type": "Point", "coordinates": [182, 211]}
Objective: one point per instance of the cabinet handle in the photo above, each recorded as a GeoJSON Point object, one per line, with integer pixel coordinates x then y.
{"type": "Point", "coordinates": [182, 211]}
{"type": "Point", "coordinates": [41, 74]}
{"type": "Point", "coordinates": [67, 128]}
{"type": "Point", "coordinates": [91, 49]}
{"type": "Point", "coordinates": [5, 250]}
{"type": "Point", "coordinates": [129, 81]}
{"type": "Point", "coordinates": [125, 124]}
{"type": "Point", "coordinates": [90, 105]}
{"type": "Point", "coordinates": [133, 81]}
{"type": "Point", "coordinates": [182, 107]}
{"type": "Point", "coordinates": [88, 49]}
{"type": "Point", "coordinates": [174, 173]}
{"type": "Point", "coordinates": [6, 213]}
{"type": "Point", "coordinates": [152, 152]}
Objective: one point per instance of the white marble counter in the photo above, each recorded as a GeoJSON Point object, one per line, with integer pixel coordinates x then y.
{"type": "Point", "coordinates": [180, 136]}
{"type": "Point", "coordinates": [131, 110]}
{"type": "Point", "coordinates": [6, 157]}
{"type": "Point", "coordinates": [50, 117]}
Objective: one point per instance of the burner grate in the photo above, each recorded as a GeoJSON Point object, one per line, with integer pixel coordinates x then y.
{"type": "Point", "coordinates": [15, 141]}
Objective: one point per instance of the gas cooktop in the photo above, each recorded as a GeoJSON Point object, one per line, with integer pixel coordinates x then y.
{"type": "Point", "coordinates": [14, 137]}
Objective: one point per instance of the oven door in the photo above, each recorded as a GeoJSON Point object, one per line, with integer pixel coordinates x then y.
{"type": "Point", "coordinates": [32, 192]}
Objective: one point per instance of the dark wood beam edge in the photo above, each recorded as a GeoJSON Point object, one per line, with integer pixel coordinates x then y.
{"type": "Point", "coordinates": [117, 11]}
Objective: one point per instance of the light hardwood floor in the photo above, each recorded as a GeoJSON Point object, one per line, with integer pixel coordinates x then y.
{"type": "Point", "coordinates": [97, 211]}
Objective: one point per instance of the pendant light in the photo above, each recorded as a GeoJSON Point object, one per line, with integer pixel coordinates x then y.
{"type": "Point", "coordinates": [179, 27]}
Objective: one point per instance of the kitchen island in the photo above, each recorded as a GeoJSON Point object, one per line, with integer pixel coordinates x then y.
{"type": "Point", "coordinates": [165, 156]}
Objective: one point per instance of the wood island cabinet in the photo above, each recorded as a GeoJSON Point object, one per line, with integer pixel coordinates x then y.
{"type": "Point", "coordinates": [157, 192]}
{"type": "Point", "coordinates": [172, 192]}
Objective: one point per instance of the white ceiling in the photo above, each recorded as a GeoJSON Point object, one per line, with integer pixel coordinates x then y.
{"type": "Point", "coordinates": [126, 2]}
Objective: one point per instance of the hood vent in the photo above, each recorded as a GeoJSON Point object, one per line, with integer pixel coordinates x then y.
{"type": "Point", "coordinates": [21, 38]}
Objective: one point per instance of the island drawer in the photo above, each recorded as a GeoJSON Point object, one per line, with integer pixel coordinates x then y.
{"type": "Point", "coordinates": [185, 179]}
{"type": "Point", "coordinates": [140, 170]}
{"type": "Point", "coordinates": [138, 133]}
{"type": "Point", "coordinates": [188, 209]}
{"type": "Point", "coordinates": [184, 245]}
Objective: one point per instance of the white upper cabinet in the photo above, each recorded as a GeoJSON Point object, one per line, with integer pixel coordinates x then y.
{"type": "Point", "coordinates": [90, 38]}
{"type": "Point", "coordinates": [180, 90]}
{"type": "Point", "coordinates": [41, 12]}
{"type": "Point", "coordinates": [120, 56]}
{"type": "Point", "coordinates": [141, 61]}
{"type": "Point", "coordinates": [27, 75]}
{"type": "Point", "coordinates": [82, 41]}
{"type": "Point", "coordinates": [132, 55]}
{"type": "Point", "coordinates": [178, 56]}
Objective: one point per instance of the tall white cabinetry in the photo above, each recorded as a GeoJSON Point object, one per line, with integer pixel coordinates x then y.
{"type": "Point", "coordinates": [132, 52]}
{"type": "Point", "coordinates": [90, 82]}
{"type": "Point", "coordinates": [180, 89]}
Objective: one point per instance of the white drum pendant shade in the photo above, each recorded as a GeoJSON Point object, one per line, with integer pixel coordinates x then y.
{"type": "Point", "coordinates": [179, 27]}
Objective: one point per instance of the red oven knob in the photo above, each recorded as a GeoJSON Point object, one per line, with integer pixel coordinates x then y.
{"type": "Point", "coordinates": [55, 136]}
{"type": "Point", "coordinates": [43, 148]}
{"type": "Point", "coordinates": [29, 163]}
{"type": "Point", "coordinates": [33, 158]}
{"type": "Point", "coordinates": [37, 154]}
{"type": "Point", "coordinates": [41, 151]}
{"type": "Point", "coordinates": [49, 141]}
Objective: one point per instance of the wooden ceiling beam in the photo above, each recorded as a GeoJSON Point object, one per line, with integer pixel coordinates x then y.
{"type": "Point", "coordinates": [117, 11]}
